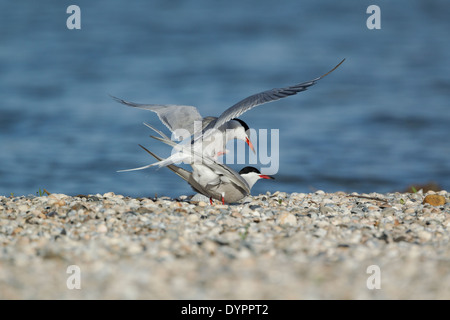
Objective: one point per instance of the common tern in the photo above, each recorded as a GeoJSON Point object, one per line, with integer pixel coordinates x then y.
{"type": "Point", "coordinates": [209, 177]}
{"type": "Point", "coordinates": [177, 117]}
{"type": "Point", "coordinates": [185, 121]}
{"type": "Point", "coordinates": [226, 186]}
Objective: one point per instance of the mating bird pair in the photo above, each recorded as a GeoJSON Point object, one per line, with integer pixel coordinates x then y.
{"type": "Point", "coordinates": [207, 139]}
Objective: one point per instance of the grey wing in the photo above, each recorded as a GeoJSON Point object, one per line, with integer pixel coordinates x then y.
{"type": "Point", "coordinates": [172, 116]}
{"type": "Point", "coordinates": [229, 175]}
{"type": "Point", "coordinates": [265, 97]}
{"type": "Point", "coordinates": [207, 121]}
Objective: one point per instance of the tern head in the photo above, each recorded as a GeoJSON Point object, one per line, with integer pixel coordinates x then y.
{"type": "Point", "coordinates": [251, 175]}
{"type": "Point", "coordinates": [241, 131]}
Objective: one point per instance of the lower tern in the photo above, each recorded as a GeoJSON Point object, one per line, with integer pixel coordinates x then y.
{"type": "Point", "coordinates": [227, 185]}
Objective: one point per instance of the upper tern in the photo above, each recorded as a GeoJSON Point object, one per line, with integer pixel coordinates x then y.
{"type": "Point", "coordinates": [177, 117]}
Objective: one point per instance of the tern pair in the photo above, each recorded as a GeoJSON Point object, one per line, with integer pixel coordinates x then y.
{"type": "Point", "coordinates": [204, 140]}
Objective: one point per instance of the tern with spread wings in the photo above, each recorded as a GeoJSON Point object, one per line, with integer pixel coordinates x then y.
{"type": "Point", "coordinates": [227, 125]}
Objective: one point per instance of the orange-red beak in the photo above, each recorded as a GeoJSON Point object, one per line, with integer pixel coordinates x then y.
{"type": "Point", "coordinates": [263, 176]}
{"type": "Point", "coordinates": [250, 144]}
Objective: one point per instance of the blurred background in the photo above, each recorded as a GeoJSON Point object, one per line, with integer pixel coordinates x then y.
{"type": "Point", "coordinates": [379, 123]}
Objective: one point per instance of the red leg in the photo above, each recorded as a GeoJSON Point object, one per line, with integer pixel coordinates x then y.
{"type": "Point", "coordinates": [223, 200]}
{"type": "Point", "coordinates": [210, 200]}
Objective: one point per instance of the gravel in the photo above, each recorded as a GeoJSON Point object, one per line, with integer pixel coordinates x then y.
{"type": "Point", "coordinates": [273, 246]}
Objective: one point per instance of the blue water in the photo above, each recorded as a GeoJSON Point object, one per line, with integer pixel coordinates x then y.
{"type": "Point", "coordinates": [378, 123]}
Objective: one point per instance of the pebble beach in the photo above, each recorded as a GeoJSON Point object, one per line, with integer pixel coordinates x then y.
{"type": "Point", "coordinates": [271, 246]}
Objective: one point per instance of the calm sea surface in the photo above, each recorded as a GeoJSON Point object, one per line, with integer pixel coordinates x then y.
{"type": "Point", "coordinates": [378, 123]}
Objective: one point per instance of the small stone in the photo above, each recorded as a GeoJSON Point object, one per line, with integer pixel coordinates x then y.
{"type": "Point", "coordinates": [102, 228]}
{"type": "Point", "coordinates": [177, 205]}
{"type": "Point", "coordinates": [60, 203]}
{"type": "Point", "coordinates": [108, 195]}
{"type": "Point", "coordinates": [236, 214]}
{"type": "Point", "coordinates": [320, 233]}
{"type": "Point", "coordinates": [193, 218]}
{"type": "Point", "coordinates": [246, 211]}
{"type": "Point", "coordinates": [202, 204]}
{"type": "Point", "coordinates": [23, 208]}
{"type": "Point", "coordinates": [287, 219]}
{"type": "Point", "coordinates": [434, 200]}
{"type": "Point", "coordinates": [221, 206]}
{"type": "Point", "coordinates": [447, 223]}
{"type": "Point", "coordinates": [210, 246]}
{"type": "Point", "coordinates": [17, 230]}
{"type": "Point", "coordinates": [325, 210]}
{"type": "Point", "coordinates": [425, 235]}
{"type": "Point", "coordinates": [388, 211]}
{"type": "Point", "coordinates": [134, 249]}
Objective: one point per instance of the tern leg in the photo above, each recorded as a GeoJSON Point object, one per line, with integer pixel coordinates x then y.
{"type": "Point", "coordinates": [210, 200]}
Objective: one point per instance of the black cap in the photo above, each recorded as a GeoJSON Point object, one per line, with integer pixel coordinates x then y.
{"type": "Point", "coordinates": [248, 170]}
{"type": "Point", "coordinates": [242, 123]}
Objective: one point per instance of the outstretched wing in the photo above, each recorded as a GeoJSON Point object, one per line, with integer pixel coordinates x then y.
{"type": "Point", "coordinates": [172, 116]}
{"type": "Point", "coordinates": [265, 97]}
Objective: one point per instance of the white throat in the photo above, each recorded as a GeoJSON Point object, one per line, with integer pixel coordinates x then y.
{"type": "Point", "coordinates": [251, 178]}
